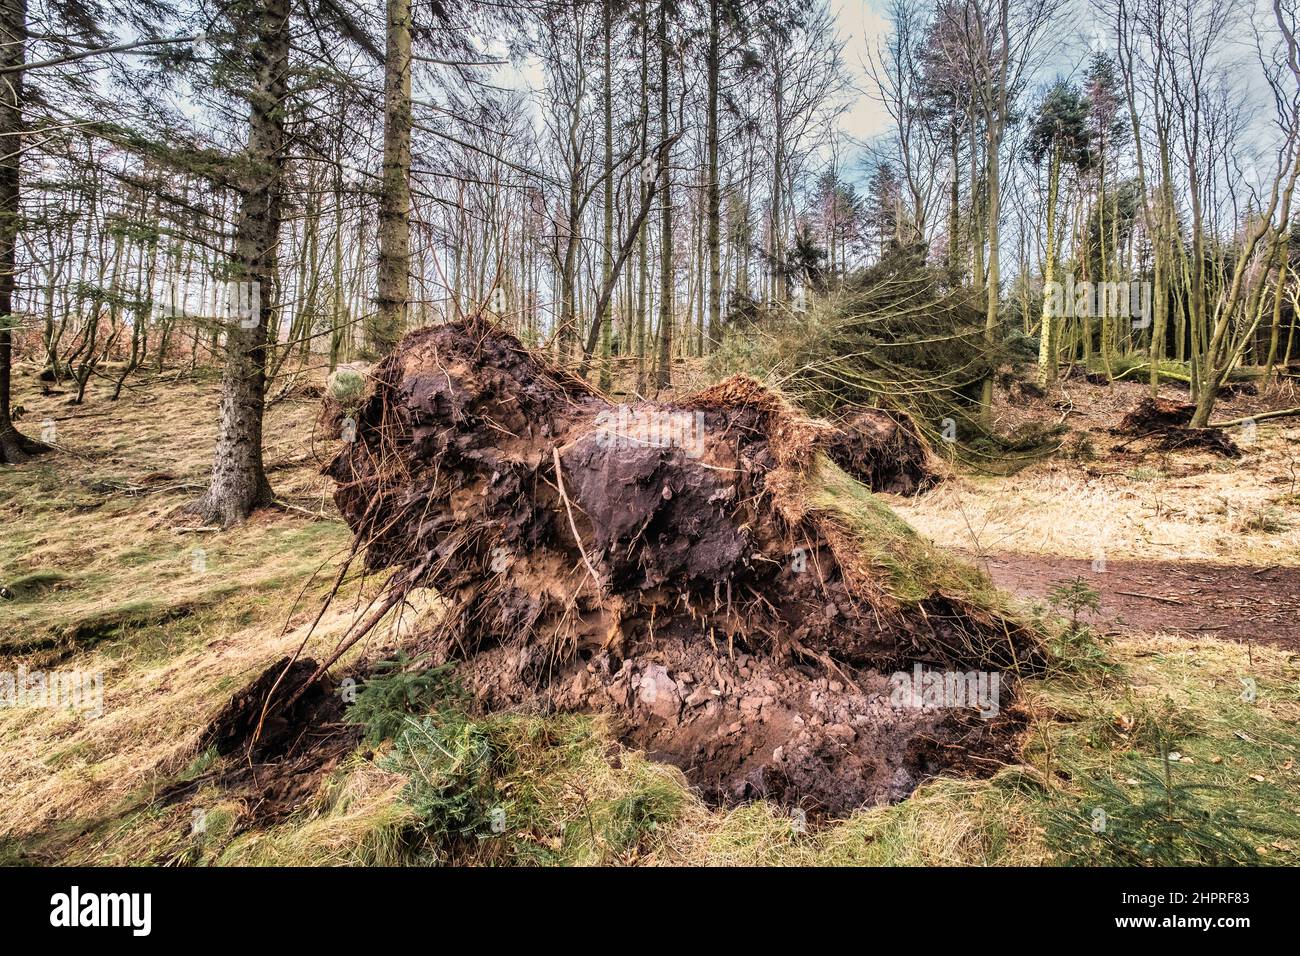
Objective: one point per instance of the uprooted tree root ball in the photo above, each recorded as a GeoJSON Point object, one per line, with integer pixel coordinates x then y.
{"type": "Point", "coordinates": [884, 451]}
{"type": "Point", "coordinates": [700, 570]}
{"type": "Point", "coordinates": [1153, 415]}
{"type": "Point", "coordinates": [1168, 424]}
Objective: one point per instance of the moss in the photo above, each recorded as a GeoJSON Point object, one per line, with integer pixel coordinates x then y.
{"type": "Point", "coordinates": [915, 568]}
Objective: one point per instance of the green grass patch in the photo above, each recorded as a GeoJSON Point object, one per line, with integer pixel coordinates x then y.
{"type": "Point", "coordinates": [914, 567]}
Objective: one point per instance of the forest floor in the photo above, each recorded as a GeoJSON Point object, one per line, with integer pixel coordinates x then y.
{"type": "Point", "coordinates": [1196, 559]}
{"type": "Point", "coordinates": [1231, 602]}
{"type": "Point", "coordinates": [1185, 542]}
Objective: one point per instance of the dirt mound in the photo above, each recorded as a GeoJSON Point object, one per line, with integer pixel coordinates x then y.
{"type": "Point", "coordinates": [1166, 421]}
{"type": "Point", "coordinates": [700, 569]}
{"type": "Point", "coordinates": [744, 726]}
{"type": "Point", "coordinates": [1155, 414]}
{"type": "Point", "coordinates": [1207, 439]}
{"type": "Point", "coordinates": [884, 451]}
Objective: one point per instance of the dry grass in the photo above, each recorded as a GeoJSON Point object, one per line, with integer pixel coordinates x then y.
{"type": "Point", "coordinates": [358, 819]}
{"type": "Point", "coordinates": [123, 595]}
{"type": "Point", "coordinates": [1126, 504]}
{"type": "Point", "coordinates": [80, 789]}
{"type": "Point", "coordinates": [102, 515]}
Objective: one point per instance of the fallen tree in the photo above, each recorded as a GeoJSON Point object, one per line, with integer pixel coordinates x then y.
{"type": "Point", "coordinates": [1168, 423]}
{"type": "Point", "coordinates": [701, 570]}
{"type": "Point", "coordinates": [884, 451]}
{"type": "Point", "coordinates": [896, 337]}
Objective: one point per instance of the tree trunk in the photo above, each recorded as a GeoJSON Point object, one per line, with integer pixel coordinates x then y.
{"type": "Point", "coordinates": [1275, 328]}
{"type": "Point", "coordinates": [954, 208]}
{"type": "Point", "coordinates": [1049, 333]}
{"type": "Point", "coordinates": [14, 447]}
{"type": "Point", "coordinates": [779, 291]}
{"type": "Point", "coordinates": [643, 238]}
{"type": "Point", "coordinates": [994, 187]}
{"type": "Point", "coordinates": [239, 484]}
{"type": "Point", "coordinates": [394, 290]}
{"type": "Point", "coordinates": [606, 313]}
{"type": "Point", "coordinates": [664, 371]}
{"type": "Point", "coordinates": [715, 193]}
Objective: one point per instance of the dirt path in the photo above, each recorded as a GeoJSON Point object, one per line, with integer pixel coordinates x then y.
{"type": "Point", "coordinates": [1226, 601]}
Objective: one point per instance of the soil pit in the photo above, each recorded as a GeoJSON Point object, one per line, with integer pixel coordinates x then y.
{"type": "Point", "coordinates": [281, 751]}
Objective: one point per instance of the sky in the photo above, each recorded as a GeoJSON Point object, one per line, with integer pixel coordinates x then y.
{"type": "Point", "coordinates": [862, 26]}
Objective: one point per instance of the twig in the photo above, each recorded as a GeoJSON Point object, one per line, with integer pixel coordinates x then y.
{"type": "Point", "coordinates": [318, 515]}
{"type": "Point", "coordinates": [1151, 597]}
{"type": "Point", "coordinates": [573, 525]}
{"type": "Point", "coordinates": [396, 593]}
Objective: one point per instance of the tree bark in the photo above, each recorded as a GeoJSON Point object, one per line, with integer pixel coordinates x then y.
{"type": "Point", "coordinates": [239, 484]}
{"type": "Point", "coordinates": [715, 192]}
{"type": "Point", "coordinates": [1047, 336]}
{"type": "Point", "coordinates": [664, 372]}
{"type": "Point", "coordinates": [606, 311]}
{"type": "Point", "coordinates": [394, 290]}
{"type": "Point", "coordinates": [14, 447]}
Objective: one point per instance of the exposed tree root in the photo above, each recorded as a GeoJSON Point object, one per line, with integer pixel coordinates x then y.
{"type": "Point", "coordinates": [16, 448]}
{"type": "Point", "coordinates": [1166, 422]}
{"type": "Point", "coordinates": [700, 568]}
{"type": "Point", "coordinates": [884, 451]}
